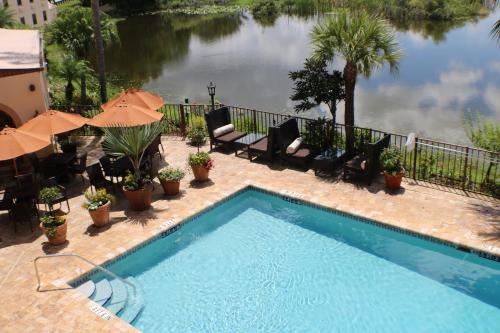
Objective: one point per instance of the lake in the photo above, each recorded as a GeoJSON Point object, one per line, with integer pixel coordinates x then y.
{"type": "Point", "coordinates": [448, 67]}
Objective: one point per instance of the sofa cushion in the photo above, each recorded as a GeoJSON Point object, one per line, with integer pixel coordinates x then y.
{"type": "Point", "coordinates": [223, 130]}
{"type": "Point", "coordinates": [294, 146]}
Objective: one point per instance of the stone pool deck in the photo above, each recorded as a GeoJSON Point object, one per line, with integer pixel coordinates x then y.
{"type": "Point", "coordinates": [455, 217]}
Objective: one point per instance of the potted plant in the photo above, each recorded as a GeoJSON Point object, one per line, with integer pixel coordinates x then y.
{"type": "Point", "coordinates": [99, 204]}
{"type": "Point", "coordinates": [390, 161]}
{"type": "Point", "coordinates": [53, 226]}
{"type": "Point", "coordinates": [132, 143]}
{"type": "Point", "coordinates": [170, 179]}
{"type": "Point", "coordinates": [201, 163]}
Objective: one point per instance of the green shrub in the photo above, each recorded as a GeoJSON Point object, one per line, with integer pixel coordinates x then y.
{"type": "Point", "coordinates": [48, 195]}
{"type": "Point", "coordinates": [265, 8]}
{"type": "Point", "coordinates": [97, 199]}
{"type": "Point", "coordinates": [171, 174]}
{"type": "Point", "coordinates": [134, 183]}
{"type": "Point", "coordinates": [390, 160]}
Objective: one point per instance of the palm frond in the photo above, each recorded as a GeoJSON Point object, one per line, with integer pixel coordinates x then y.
{"type": "Point", "coordinates": [495, 32]}
{"type": "Point", "coordinates": [130, 141]}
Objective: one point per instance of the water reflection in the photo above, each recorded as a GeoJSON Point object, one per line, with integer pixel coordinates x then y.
{"type": "Point", "coordinates": [447, 68]}
{"type": "Point", "coordinates": [149, 42]}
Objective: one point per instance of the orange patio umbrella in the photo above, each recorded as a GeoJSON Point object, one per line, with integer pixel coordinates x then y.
{"type": "Point", "coordinates": [16, 142]}
{"type": "Point", "coordinates": [136, 97]}
{"type": "Point", "coordinates": [124, 114]}
{"type": "Point", "coordinates": [54, 122]}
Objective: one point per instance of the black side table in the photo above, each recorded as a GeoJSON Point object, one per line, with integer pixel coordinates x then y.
{"type": "Point", "coordinates": [246, 141]}
{"type": "Point", "coordinates": [329, 160]}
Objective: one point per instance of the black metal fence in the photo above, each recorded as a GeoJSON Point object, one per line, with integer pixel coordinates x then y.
{"type": "Point", "coordinates": [466, 168]}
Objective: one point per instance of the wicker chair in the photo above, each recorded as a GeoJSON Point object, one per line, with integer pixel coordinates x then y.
{"type": "Point", "coordinates": [266, 147]}
{"type": "Point", "coordinates": [286, 133]}
{"type": "Point", "coordinates": [97, 179]}
{"type": "Point", "coordinates": [79, 167]}
{"type": "Point", "coordinates": [218, 118]}
{"type": "Point", "coordinates": [366, 165]}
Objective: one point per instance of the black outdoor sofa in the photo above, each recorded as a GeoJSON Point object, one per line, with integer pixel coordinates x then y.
{"type": "Point", "coordinates": [366, 164]}
{"type": "Point", "coordinates": [216, 119]}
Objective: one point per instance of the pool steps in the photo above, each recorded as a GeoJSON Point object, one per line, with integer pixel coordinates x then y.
{"type": "Point", "coordinates": [117, 297]}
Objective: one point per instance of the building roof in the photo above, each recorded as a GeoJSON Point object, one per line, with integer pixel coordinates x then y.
{"type": "Point", "coordinates": [20, 50]}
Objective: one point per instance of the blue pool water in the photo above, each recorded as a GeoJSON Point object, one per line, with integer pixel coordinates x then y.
{"type": "Point", "coordinates": [258, 263]}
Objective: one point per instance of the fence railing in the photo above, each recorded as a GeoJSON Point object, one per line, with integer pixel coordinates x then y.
{"type": "Point", "coordinates": [451, 165]}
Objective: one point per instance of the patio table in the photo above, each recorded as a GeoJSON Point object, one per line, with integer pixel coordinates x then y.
{"type": "Point", "coordinates": [245, 142]}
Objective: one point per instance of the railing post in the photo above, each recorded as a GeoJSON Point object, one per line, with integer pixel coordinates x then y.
{"type": "Point", "coordinates": [183, 120]}
{"type": "Point", "coordinates": [464, 181]}
{"type": "Point", "coordinates": [415, 152]}
{"type": "Point", "coordinates": [254, 114]}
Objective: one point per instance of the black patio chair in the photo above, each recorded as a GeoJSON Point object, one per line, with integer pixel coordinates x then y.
{"type": "Point", "coordinates": [35, 164]}
{"type": "Point", "coordinates": [366, 165]}
{"type": "Point", "coordinates": [216, 119]}
{"type": "Point", "coordinates": [6, 204]}
{"type": "Point", "coordinates": [266, 148]}
{"type": "Point", "coordinates": [97, 179]}
{"type": "Point", "coordinates": [52, 182]}
{"type": "Point", "coordinates": [286, 133]}
{"type": "Point", "coordinates": [24, 210]}
{"type": "Point", "coordinates": [80, 165]}
{"type": "Point", "coordinates": [26, 187]}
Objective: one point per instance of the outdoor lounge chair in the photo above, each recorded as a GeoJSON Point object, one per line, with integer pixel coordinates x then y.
{"type": "Point", "coordinates": [266, 147]}
{"type": "Point", "coordinates": [216, 119]}
{"type": "Point", "coordinates": [286, 133]}
{"type": "Point", "coordinates": [366, 165]}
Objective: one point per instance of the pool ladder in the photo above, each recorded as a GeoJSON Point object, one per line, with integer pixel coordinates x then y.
{"type": "Point", "coordinates": [102, 269]}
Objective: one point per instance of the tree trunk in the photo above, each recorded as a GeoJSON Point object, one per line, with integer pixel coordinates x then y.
{"type": "Point", "coordinates": [350, 74]}
{"type": "Point", "coordinates": [99, 45]}
{"type": "Point", "coordinates": [69, 92]}
{"type": "Point", "coordinates": [83, 90]}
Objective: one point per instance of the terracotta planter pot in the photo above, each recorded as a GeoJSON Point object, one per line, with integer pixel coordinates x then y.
{"type": "Point", "coordinates": [140, 199]}
{"type": "Point", "coordinates": [60, 235]}
{"type": "Point", "coordinates": [170, 187]}
{"type": "Point", "coordinates": [200, 173]}
{"type": "Point", "coordinates": [100, 216]}
{"type": "Point", "coordinates": [394, 182]}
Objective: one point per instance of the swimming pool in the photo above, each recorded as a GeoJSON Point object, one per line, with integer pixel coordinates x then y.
{"type": "Point", "coordinates": [258, 263]}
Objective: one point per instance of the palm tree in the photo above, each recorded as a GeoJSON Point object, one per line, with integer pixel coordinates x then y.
{"type": "Point", "coordinates": [366, 43]}
{"type": "Point", "coordinates": [72, 69]}
{"type": "Point", "coordinates": [75, 31]}
{"type": "Point", "coordinates": [495, 32]}
{"type": "Point", "coordinates": [131, 142]}
{"type": "Point", "coordinates": [99, 45]}
{"type": "Point", "coordinates": [6, 17]}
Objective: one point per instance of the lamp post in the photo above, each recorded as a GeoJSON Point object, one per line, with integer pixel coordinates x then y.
{"type": "Point", "coordinates": [211, 92]}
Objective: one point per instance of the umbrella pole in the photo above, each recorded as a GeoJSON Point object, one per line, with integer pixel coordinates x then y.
{"type": "Point", "coordinates": [15, 167]}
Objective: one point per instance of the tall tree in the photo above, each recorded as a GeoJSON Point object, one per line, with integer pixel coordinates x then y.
{"type": "Point", "coordinates": [75, 31]}
{"type": "Point", "coordinates": [99, 45]}
{"type": "Point", "coordinates": [366, 43]}
{"type": "Point", "coordinates": [315, 85]}
{"type": "Point", "coordinates": [6, 17]}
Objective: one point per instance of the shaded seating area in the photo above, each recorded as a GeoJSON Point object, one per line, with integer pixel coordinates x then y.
{"type": "Point", "coordinates": [292, 149]}
{"type": "Point", "coordinates": [365, 165]}
{"type": "Point", "coordinates": [220, 129]}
